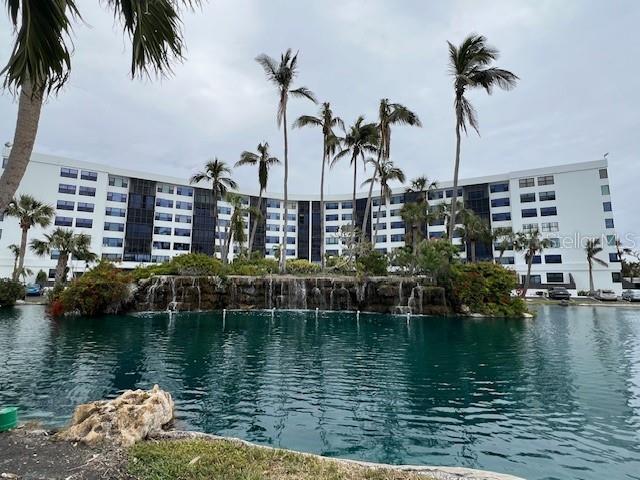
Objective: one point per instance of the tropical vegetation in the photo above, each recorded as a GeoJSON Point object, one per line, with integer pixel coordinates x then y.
{"type": "Point", "coordinates": [593, 248]}
{"type": "Point", "coordinates": [10, 292]}
{"type": "Point", "coordinates": [66, 245]}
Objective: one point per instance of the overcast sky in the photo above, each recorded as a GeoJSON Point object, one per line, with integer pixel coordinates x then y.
{"type": "Point", "coordinates": [578, 96]}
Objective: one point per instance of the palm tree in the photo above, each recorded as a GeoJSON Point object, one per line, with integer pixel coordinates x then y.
{"type": "Point", "coordinates": [264, 162]}
{"type": "Point", "coordinates": [443, 211]}
{"type": "Point", "coordinates": [384, 172]}
{"type": "Point", "coordinates": [531, 243]}
{"type": "Point", "coordinates": [282, 75]}
{"type": "Point", "coordinates": [216, 172]}
{"type": "Point", "coordinates": [40, 61]}
{"type": "Point", "coordinates": [622, 251]}
{"type": "Point", "coordinates": [327, 122]}
{"type": "Point", "coordinates": [235, 229]}
{"type": "Point", "coordinates": [362, 138]}
{"type": "Point", "coordinates": [67, 244]}
{"type": "Point", "coordinates": [470, 67]}
{"type": "Point", "coordinates": [30, 212]}
{"type": "Point", "coordinates": [388, 114]}
{"type": "Point", "coordinates": [592, 248]}
{"type": "Point", "coordinates": [15, 251]}
{"type": "Point", "coordinates": [503, 238]}
{"type": "Point", "coordinates": [414, 216]}
{"type": "Point", "coordinates": [472, 231]}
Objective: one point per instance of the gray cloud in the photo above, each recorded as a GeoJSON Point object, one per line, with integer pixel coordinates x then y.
{"type": "Point", "coordinates": [577, 99]}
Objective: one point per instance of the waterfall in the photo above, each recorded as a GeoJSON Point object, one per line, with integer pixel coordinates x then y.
{"type": "Point", "coordinates": [270, 300]}
{"type": "Point", "coordinates": [415, 301]}
{"type": "Point", "coordinates": [333, 283]}
{"type": "Point", "coordinates": [196, 285]}
{"type": "Point", "coordinates": [172, 306]}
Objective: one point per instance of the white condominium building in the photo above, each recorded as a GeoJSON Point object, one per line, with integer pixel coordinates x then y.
{"type": "Point", "coordinates": [136, 218]}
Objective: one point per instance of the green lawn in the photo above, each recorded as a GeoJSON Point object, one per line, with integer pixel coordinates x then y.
{"type": "Point", "coordinates": [229, 460]}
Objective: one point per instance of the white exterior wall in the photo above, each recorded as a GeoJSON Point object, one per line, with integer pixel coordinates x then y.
{"type": "Point", "coordinates": [579, 202]}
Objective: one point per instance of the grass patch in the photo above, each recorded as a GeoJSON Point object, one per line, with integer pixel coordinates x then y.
{"type": "Point", "coordinates": [229, 460]}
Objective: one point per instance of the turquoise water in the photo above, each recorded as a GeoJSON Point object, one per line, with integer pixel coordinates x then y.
{"type": "Point", "coordinates": [555, 397]}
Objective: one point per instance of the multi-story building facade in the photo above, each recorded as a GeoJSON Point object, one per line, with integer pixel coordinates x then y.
{"type": "Point", "coordinates": [137, 218]}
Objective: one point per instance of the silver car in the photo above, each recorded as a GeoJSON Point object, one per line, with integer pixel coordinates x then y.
{"type": "Point", "coordinates": [606, 295]}
{"type": "Point", "coordinates": [631, 295]}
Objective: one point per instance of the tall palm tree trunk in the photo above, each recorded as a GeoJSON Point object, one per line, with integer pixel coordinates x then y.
{"type": "Point", "coordinates": [322, 246]}
{"type": "Point", "coordinates": [353, 209]}
{"type": "Point", "coordinates": [23, 250]}
{"type": "Point", "coordinates": [375, 226]}
{"type": "Point", "coordinates": [473, 251]}
{"type": "Point", "coordinates": [527, 279]}
{"type": "Point", "coordinates": [29, 107]}
{"type": "Point", "coordinates": [14, 275]}
{"type": "Point", "coordinates": [216, 226]}
{"type": "Point", "coordinates": [255, 225]}
{"type": "Point", "coordinates": [367, 209]}
{"type": "Point", "coordinates": [283, 250]}
{"type": "Point", "coordinates": [456, 168]}
{"type": "Point", "coordinates": [61, 266]}
{"type": "Point", "coordinates": [591, 287]}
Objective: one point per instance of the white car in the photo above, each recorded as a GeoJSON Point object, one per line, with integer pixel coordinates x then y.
{"type": "Point", "coordinates": [631, 295]}
{"type": "Point", "coordinates": [606, 295]}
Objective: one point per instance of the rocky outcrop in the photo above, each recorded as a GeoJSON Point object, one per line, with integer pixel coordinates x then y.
{"type": "Point", "coordinates": [388, 294]}
{"type": "Point", "coordinates": [133, 416]}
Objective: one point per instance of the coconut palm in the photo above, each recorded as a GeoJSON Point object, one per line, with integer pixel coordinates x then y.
{"type": "Point", "coordinates": [414, 216]}
{"type": "Point", "coordinates": [443, 211]}
{"type": "Point", "coordinates": [472, 231]}
{"type": "Point", "coordinates": [622, 251]}
{"type": "Point", "coordinates": [217, 173]}
{"type": "Point", "coordinates": [593, 248]}
{"type": "Point", "coordinates": [470, 67]}
{"type": "Point", "coordinates": [384, 172]}
{"type": "Point", "coordinates": [29, 212]}
{"type": "Point", "coordinates": [40, 61]}
{"type": "Point", "coordinates": [361, 139]}
{"type": "Point", "coordinates": [67, 244]}
{"type": "Point", "coordinates": [388, 114]}
{"type": "Point", "coordinates": [282, 74]}
{"type": "Point", "coordinates": [15, 251]}
{"type": "Point", "coordinates": [503, 238]}
{"type": "Point", "coordinates": [235, 230]}
{"type": "Point", "coordinates": [327, 122]}
{"type": "Point", "coordinates": [531, 243]}
{"type": "Point", "coordinates": [264, 161]}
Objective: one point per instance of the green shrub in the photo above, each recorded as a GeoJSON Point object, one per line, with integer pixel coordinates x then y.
{"type": "Point", "coordinates": [255, 266]}
{"type": "Point", "coordinates": [302, 267]}
{"type": "Point", "coordinates": [338, 264]}
{"type": "Point", "coordinates": [10, 292]}
{"type": "Point", "coordinates": [372, 263]}
{"type": "Point", "coordinates": [190, 264]}
{"type": "Point", "coordinates": [103, 289]}
{"type": "Point", "coordinates": [486, 288]}
{"type": "Point", "coordinates": [41, 278]}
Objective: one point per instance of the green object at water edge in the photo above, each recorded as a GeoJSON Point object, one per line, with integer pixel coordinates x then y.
{"type": "Point", "coordinates": [8, 418]}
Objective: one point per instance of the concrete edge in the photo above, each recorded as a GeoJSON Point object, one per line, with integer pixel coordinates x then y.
{"type": "Point", "coordinates": [435, 472]}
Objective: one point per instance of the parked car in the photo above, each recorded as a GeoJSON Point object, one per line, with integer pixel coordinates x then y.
{"type": "Point", "coordinates": [33, 290]}
{"type": "Point", "coordinates": [606, 295]}
{"type": "Point", "coordinates": [559, 293]}
{"type": "Point", "coordinates": [631, 295]}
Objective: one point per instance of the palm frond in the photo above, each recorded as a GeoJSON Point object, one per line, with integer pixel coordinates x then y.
{"type": "Point", "coordinates": [303, 92]}
{"type": "Point", "coordinates": [307, 121]}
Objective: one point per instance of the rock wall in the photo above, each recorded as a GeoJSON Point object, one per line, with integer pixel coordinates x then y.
{"type": "Point", "coordinates": [377, 294]}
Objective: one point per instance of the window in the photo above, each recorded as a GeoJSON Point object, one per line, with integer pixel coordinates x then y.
{"type": "Point", "coordinates": [271, 203]}
{"type": "Point", "coordinates": [116, 197]}
{"type": "Point", "coordinates": [65, 205]}
{"type": "Point", "coordinates": [331, 218]}
{"type": "Point", "coordinates": [546, 196]}
{"type": "Point", "coordinates": [164, 217]}
{"type": "Point", "coordinates": [55, 254]}
{"type": "Point", "coordinates": [118, 182]}
{"type": "Point", "coordinates": [611, 240]}
{"type": "Point", "coordinates": [500, 202]}
{"type": "Point", "coordinates": [160, 258]}
{"type": "Point", "coordinates": [550, 226]}
{"type": "Point", "coordinates": [435, 194]}
{"type": "Point", "coordinates": [227, 211]}
{"type": "Point", "coordinates": [164, 188]}
{"type": "Point", "coordinates": [223, 222]}
{"type": "Point", "coordinates": [291, 228]}
{"type": "Point", "coordinates": [114, 227]}
{"type": "Point", "coordinates": [88, 175]}
{"type": "Point", "coordinates": [291, 217]}
{"type": "Point", "coordinates": [506, 260]}
{"type": "Point", "coordinates": [537, 259]}
{"type": "Point", "coordinates": [85, 207]}
{"type": "Point", "coordinates": [383, 214]}
{"type": "Point", "coordinates": [499, 187]}
{"type": "Point", "coordinates": [291, 252]}
{"type": "Point", "coordinates": [163, 202]}
{"type": "Point", "coordinates": [553, 259]}
{"type": "Point", "coordinates": [529, 227]}
{"type": "Point", "coordinates": [450, 192]}
{"type": "Point", "coordinates": [347, 204]}
{"type": "Point", "coordinates": [63, 221]}
{"type": "Point", "coordinates": [162, 230]}
{"type": "Point", "coordinates": [87, 191]}
{"type": "Point", "coordinates": [397, 199]}
{"type": "Point", "coordinates": [381, 226]}
{"type": "Point", "coordinates": [4, 161]}
{"type": "Point", "coordinates": [548, 211]}
{"type": "Point", "coordinates": [397, 238]}
{"type": "Point", "coordinates": [269, 239]}
{"type": "Point", "coordinates": [64, 188]}
{"type": "Point", "coordinates": [608, 222]}
{"type": "Point", "coordinates": [555, 278]}
{"type": "Point", "coordinates": [606, 206]}
{"type": "Point", "coordinates": [527, 182]}
{"type": "Point", "coordinates": [499, 246]}
{"type": "Point", "coordinates": [52, 273]}
{"type": "Point", "coordinates": [436, 234]}
{"type": "Point", "coordinates": [331, 253]}
{"type": "Point", "coordinates": [554, 243]}
{"type": "Point", "coordinates": [529, 212]}
{"type": "Point", "coordinates": [347, 216]}
{"type": "Point", "coordinates": [331, 229]}
{"type": "Point", "coordinates": [162, 245]}
{"type": "Point", "coordinates": [496, 217]}
{"type": "Point", "coordinates": [84, 223]}
{"type": "Point", "coordinates": [331, 206]}
{"type": "Point", "coordinates": [545, 180]}
{"type": "Point", "coordinates": [603, 173]}
{"type": "Point", "coordinates": [604, 189]}
{"type": "Point", "coordinates": [331, 241]}
{"type": "Point", "coordinates": [616, 277]}
{"type": "Point", "coordinates": [68, 172]}
{"type": "Point", "coordinates": [181, 247]}
{"type": "Point", "coordinates": [111, 242]}
{"type": "Point", "coordinates": [112, 257]}
{"type": "Point", "coordinates": [184, 205]}
{"type": "Point", "coordinates": [527, 197]}
{"type": "Point", "coordinates": [613, 257]}
{"type": "Point", "coordinates": [381, 238]}
{"type": "Point", "coordinates": [273, 216]}
{"type": "Point", "coordinates": [272, 228]}
{"type": "Point", "coordinates": [185, 191]}
{"type": "Point", "coordinates": [291, 240]}
{"type": "Point", "coordinates": [397, 225]}
{"type": "Point", "coordinates": [394, 213]}
{"type": "Point", "coordinates": [183, 219]}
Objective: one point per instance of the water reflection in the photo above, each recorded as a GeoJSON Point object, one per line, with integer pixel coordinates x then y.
{"type": "Point", "coordinates": [553, 397]}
